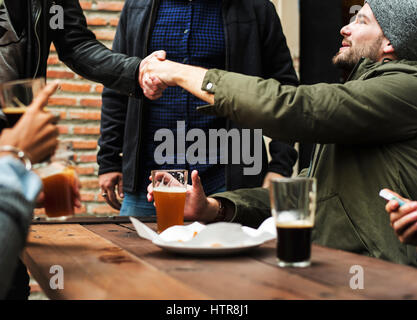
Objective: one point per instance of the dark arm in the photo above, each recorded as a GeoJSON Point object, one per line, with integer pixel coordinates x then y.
{"type": "Point", "coordinates": [78, 48]}
{"type": "Point", "coordinates": [251, 206]}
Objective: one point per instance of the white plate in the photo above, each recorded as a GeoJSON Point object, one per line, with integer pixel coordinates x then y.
{"type": "Point", "coordinates": [215, 239]}
{"type": "Point", "coordinates": [200, 250]}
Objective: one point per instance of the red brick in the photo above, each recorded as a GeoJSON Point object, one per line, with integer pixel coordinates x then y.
{"type": "Point", "coordinates": [103, 209]}
{"type": "Point", "coordinates": [114, 22]}
{"type": "Point", "coordinates": [85, 115]}
{"type": "Point", "coordinates": [53, 60]}
{"type": "Point", "coordinates": [85, 170]}
{"type": "Point", "coordinates": [87, 158]}
{"type": "Point", "coordinates": [99, 88]}
{"type": "Point", "coordinates": [110, 5]}
{"type": "Point", "coordinates": [75, 87]}
{"type": "Point", "coordinates": [104, 34]}
{"type": "Point", "coordinates": [88, 196]}
{"type": "Point", "coordinates": [96, 21]}
{"type": "Point", "coordinates": [91, 102]}
{"type": "Point", "coordinates": [87, 130]}
{"type": "Point", "coordinates": [56, 74]}
{"type": "Point", "coordinates": [86, 5]}
{"type": "Point", "coordinates": [90, 184]}
{"type": "Point", "coordinates": [84, 145]}
{"type": "Point", "coordinates": [59, 101]}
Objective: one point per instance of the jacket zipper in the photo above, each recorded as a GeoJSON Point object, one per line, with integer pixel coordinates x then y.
{"type": "Point", "coordinates": [39, 43]}
{"type": "Point", "coordinates": [319, 148]}
{"type": "Point", "coordinates": [155, 4]}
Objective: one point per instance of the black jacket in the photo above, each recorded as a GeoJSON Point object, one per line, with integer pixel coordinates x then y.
{"type": "Point", "coordinates": [76, 46]}
{"type": "Point", "coordinates": [255, 45]}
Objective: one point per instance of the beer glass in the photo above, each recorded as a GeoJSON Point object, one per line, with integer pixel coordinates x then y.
{"type": "Point", "coordinates": [169, 191]}
{"type": "Point", "coordinates": [293, 206]}
{"type": "Point", "coordinates": [58, 177]}
{"type": "Point", "coordinates": [17, 95]}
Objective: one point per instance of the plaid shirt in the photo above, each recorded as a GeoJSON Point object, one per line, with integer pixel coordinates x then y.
{"type": "Point", "coordinates": [190, 32]}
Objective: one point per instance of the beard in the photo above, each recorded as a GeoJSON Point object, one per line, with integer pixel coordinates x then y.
{"type": "Point", "coordinates": [348, 58]}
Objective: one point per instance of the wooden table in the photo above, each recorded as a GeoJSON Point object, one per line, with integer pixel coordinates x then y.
{"type": "Point", "coordinates": [110, 261]}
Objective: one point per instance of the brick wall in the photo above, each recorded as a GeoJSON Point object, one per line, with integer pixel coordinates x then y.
{"type": "Point", "coordinates": [79, 103]}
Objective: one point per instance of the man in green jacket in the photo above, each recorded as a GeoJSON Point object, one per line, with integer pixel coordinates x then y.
{"type": "Point", "coordinates": [365, 131]}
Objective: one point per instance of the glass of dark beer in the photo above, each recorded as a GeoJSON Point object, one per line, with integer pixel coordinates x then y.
{"type": "Point", "coordinates": [293, 205]}
{"type": "Point", "coordinates": [17, 95]}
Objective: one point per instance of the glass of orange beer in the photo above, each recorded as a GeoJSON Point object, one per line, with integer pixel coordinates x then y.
{"type": "Point", "coordinates": [58, 177]}
{"type": "Point", "coordinates": [169, 191]}
{"type": "Point", "coordinates": [17, 95]}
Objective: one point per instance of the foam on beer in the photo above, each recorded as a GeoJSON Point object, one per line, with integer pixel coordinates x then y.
{"type": "Point", "coordinates": [290, 219]}
{"type": "Point", "coordinates": [170, 189]}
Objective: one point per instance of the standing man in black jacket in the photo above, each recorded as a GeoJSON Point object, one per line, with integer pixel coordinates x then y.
{"type": "Point", "coordinates": [25, 39]}
{"type": "Point", "coordinates": [239, 35]}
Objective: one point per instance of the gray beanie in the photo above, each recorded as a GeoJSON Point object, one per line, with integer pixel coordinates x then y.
{"type": "Point", "coordinates": [398, 21]}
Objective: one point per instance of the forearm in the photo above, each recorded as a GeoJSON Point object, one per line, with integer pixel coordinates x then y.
{"type": "Point", "coordinates": [95, 62]}
{"type": "Point", "coordinates": [79, 49]}
{"type": "Point", "coordinates": [190, 78]}
{"type": "Point", "coordinates": [358, 112]}
{"type": "Point", "coordinates": [249, 207]}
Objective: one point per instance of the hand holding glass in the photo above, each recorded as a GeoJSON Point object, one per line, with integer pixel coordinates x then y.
{"type": "Point", "coordinates": [169, 192]}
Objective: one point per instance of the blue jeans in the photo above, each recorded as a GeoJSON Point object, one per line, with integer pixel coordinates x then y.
{"type": "Point", "coordinates": [137, 205]}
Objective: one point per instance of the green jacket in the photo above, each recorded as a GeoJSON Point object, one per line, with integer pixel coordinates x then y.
{"type": "Point", "coordinates": [366, 131]}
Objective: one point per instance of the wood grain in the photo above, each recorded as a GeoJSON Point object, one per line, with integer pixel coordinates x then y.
{"type": "Point", "coordinates": [243, 276]}
{"type": "Point", "coordinates": [110, 261]}
{"type": "Point", "coordinates": [95, 268]}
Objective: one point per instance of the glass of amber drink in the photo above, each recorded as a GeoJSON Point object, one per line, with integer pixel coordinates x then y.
{"type": "Point", "coordinates": [59, 178]}
{"type": "Point", "coordinates": [169, 191]}
{"type": "Point", "coordinates": [17, 95]}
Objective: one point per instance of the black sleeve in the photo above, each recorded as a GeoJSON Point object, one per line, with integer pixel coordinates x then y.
{"type": "Point", "coordinates": [276, 56]}
{"type": "Point", "coordinates": [277, 64]}
{"type": "Point", "coordinates": [113, 116]}
{"type": "Point", "coordinates": [283, 159]}
{"type": "Point", "coordinates": [78, 48]}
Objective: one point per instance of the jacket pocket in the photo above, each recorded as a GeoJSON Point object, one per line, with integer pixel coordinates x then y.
{"type": "Point", "coordinates": [334, 228]}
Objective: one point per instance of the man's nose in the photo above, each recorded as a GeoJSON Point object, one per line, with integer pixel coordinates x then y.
{"type": "Point", "coordinates": [345, 31]}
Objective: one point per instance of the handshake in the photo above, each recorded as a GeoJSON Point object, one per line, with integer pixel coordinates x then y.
{"type": "Point", "coordinates": [156, 74]}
